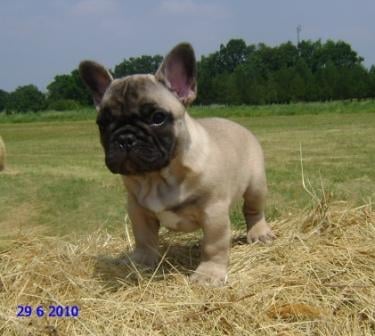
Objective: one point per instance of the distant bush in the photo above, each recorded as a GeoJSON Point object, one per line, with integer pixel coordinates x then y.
{"type": "Point", "coordinates": [3, 99]}
{"type": "Point", "coordinates": [259, 74]}
{"type": "Point", "coordinates": [64, 105]}
{"type": "Point", "coordinates": [25, 98]}
{"type": "Point", "coordinates": [69, 86]}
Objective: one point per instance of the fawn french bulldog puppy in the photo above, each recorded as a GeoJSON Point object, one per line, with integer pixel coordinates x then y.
{"type": "Point", "coordinates": [180, 172]}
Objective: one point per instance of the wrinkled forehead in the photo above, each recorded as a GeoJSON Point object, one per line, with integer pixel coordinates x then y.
{"type": "Point", "coordinates": [128, 94]}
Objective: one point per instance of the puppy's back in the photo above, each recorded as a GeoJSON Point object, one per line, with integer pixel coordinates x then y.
{"type": "Point", "coordinates": [238, 158]}
{"type": "Point", "coordinates": [231, 137]}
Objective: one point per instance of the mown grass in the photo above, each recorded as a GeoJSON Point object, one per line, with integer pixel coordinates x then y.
{"type": "Point", "coordinates": [336, 107]}
{"type": "Point", "coordinates": [48, 116]}
{"type": "Point", "coordinates": [56, 175]}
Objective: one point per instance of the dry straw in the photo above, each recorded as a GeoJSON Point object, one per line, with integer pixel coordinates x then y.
{"type": "Point", "coordinates": [317, 278]}
{"type": "Point", "coordinates": [2, 154]}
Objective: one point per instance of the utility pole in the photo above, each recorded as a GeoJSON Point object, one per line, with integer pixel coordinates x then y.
{"type": "Point", "coordinates": [299, 29]}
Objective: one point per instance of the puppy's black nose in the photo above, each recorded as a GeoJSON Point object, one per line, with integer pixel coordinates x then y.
{"type": "Point", "coordinates": [126, 140]}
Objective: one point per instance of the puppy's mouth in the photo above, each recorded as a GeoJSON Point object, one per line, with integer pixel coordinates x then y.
{"type": "Point", "coordinates": [129, 153]}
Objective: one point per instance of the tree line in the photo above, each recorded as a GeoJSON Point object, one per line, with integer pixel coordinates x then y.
{"type": "Point", "coordinates": [237, 73]}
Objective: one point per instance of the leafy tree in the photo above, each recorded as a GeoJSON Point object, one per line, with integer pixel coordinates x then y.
{"type": "Point", "coordinates": [310, 52]}
{"type": "Point", "coordinates": [283, 79]}
{"type": "Point", "coordinates": [287, 54]}
{"type": "Point", "coordinates": [250, 83]}
{"type": "Point", "coordinates": [225, 89]}
{"type": "Point", "coordinates": [3, 99]}
{"type": "Point", "coordinates": [26, 98]}
{"type": "Point", "coordinates": [208, 69]}
{"type": "Point", "coordinates": [64, 105]}
{"type": "Point", "coordinates": [238, 73]}
{"type": "Point", "coordinates": [309, 87]}
{"type": "Point", "coordinates": [328, 80]}
{"type": "Point", "coordinates": [234, 53]}
{"type": "Point", "coordinates": [358, 81]}
{"type": "Point", "coordinates": [69, 87]}
{"type": "Point", "coordinates": [137, 65]}
{"type": "Point", "coordinates": [339, 53]}
{"type": "Point", "coordinates": [371, 89]}
{"type": "Point", "coordinates": [297, 87]}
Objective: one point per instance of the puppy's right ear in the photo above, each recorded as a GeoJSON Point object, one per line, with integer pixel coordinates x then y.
{"type": "Point", "coordinates": [96, 77]}
{"type": "Point", "coordinates": [178, 72]}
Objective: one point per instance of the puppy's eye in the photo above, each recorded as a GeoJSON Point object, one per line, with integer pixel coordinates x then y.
{"type": "Point", "coordinates": [158, 118]}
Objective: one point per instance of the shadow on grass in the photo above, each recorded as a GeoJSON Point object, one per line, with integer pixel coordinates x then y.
{"type": "Point", "coordinates": [116, 272]}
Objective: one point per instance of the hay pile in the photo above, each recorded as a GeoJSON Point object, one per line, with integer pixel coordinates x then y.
{"type": "Point", "coordinates": [2, 154]}
{"type": "Point", "coordinates": [317, 278]}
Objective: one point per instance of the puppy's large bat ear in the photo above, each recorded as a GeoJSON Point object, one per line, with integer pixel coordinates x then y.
{"type": "Point", "coordinates": [96, 77]}
{"type": "Point", "coordinates": [178, 72]}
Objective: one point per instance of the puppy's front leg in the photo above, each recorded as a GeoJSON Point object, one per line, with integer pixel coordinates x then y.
{"type": "Point", "coordinates": [215, 247]}
{"type": "Point", "coordinates": [146, 233]}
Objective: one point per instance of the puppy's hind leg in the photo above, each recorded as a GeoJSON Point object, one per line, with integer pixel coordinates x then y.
{"type": "Point", "coordinates": [253, 210]}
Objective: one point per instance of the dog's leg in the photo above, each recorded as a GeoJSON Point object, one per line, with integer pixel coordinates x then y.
{"type": "Point", "coordinates": [215, 247]}
{"type": "Point", "coordinates": [146, 231]}
{"type": "Point", "coordinates": [253, 210]}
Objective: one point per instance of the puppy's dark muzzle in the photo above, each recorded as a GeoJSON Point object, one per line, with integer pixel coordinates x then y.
{"type": "Point", "coordinates": [126, 141]}
{"type": "Point", "coordinates": [133, 150]}
{"type": "Point", "coordinates": [117, 152]}
{"type": "Point", "coordinates": [125, 149]}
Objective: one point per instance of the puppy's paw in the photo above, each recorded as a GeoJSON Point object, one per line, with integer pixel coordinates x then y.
{"type": "Point", "coordinates": [142, 257]}
{"type": "Point", "coordinates": [261, 231]}
{"type": "Point", "coordinates": [210, 274]}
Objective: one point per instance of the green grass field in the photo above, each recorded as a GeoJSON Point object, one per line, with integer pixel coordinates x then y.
{"type": "Point", "coordinates": [56, 177]}
{"type": "Point", "coordinates": [335, 107]}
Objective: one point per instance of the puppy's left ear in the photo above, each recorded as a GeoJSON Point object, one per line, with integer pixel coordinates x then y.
{"type": "Point", "coordinates": [178, 72]}
{"type": "Point", "coordinates": [97, 78]}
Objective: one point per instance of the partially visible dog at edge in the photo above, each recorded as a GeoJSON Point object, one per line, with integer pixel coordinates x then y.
{"type": "Point", "coordinates": [180, 172]}
{"type": "Point", "coordinates": [2, 154]}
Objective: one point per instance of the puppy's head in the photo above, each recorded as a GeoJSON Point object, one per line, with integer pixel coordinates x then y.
{"type": "Point", "coordinates": [141, 117]}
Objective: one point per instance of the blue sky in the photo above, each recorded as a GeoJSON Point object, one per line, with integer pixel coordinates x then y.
{"type": "Point", "coordinates": [42, 38]}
